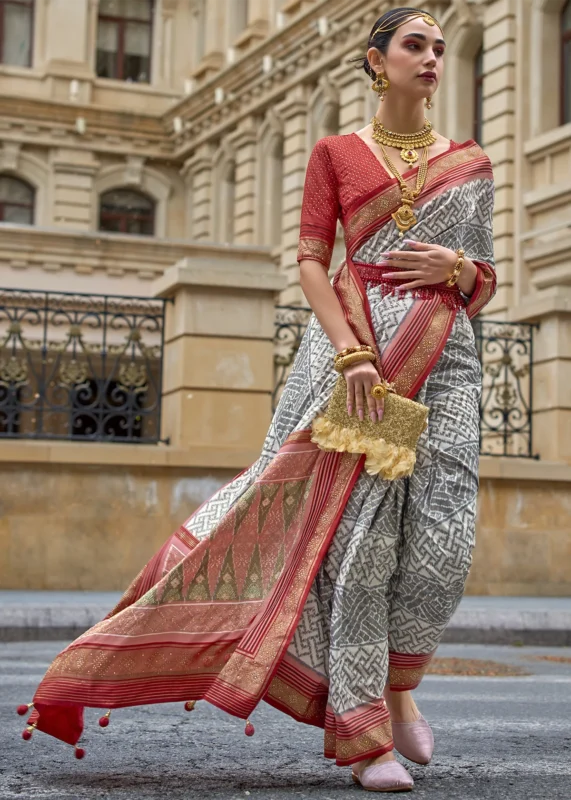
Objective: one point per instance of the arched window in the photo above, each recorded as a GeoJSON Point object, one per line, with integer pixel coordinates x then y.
{"type": "Point", "coordinates": [16, 201]}
{"type": "Point", "coordinates": [478, 95]}
{"type": "Point", "coordinates": [16, 32]}
{"type": "Point", "coordinates": [124, 36]}
{"type": "Point", "coordinates": [566, 63]}
{"type": "Point", "coordinates": [127, 211]}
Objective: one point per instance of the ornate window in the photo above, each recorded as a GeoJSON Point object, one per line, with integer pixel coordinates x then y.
{"type": "Point", "coordinates": [127, 211]}
{"type": "Point", "coordinates": [16, 201]}
{"type": "Point", "coordinates": [478, 95]}
{"type": "Point", "coordinates": [16, 32]}
{"type": "Point", "coordinates": [124, 37]}
{"type": "Point", "coordinates": [566, 63]}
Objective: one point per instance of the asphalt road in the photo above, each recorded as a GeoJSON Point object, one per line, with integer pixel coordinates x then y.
{"type": "Point", "coordinates": [499, 738]}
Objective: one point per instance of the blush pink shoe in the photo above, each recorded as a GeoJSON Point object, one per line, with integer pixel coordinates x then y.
{"type": "Point", "coordinates": [388, 777]}
{"type": "Point", "coordinates": [414, 740]}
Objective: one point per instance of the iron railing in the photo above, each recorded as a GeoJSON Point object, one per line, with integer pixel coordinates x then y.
{"type": "Point", "coordinates": [78, 366]}
{"type": "Point", "coordinates": [505, 350]}
{"type": "Point", "coordinates": [291, 322]}
{"type": "Point", "coordinates": [506, 353]}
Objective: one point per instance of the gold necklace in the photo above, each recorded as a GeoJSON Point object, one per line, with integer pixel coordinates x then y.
{"type": "Point", "coordinates": [403, 216]}
{"type": "Point", "coordinates": [406, 141]}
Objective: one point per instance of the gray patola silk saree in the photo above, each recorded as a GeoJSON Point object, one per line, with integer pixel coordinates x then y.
{"type": "Point", "coordinates": [305, 581]}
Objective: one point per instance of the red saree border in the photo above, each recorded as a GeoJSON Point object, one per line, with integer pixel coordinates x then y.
{"type": "Point", "coordinates": [407, 670]}
{"type": "Point", "coordinates": [363, 732]}
{"type": "Point", "coordinates": [299, 692]}
{"type": "Point", "coordinates": [302, 693]}
{"type": "Point", "coordinates": [413, 351]}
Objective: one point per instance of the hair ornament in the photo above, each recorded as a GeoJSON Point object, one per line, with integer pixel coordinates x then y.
{"type": "Point", "coordinates": [405, 17]}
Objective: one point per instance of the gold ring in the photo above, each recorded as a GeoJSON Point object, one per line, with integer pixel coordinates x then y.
{"type": "Point", "coordinates": [380, 390]}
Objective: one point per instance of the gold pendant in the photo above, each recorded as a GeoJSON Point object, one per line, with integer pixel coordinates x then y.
{"type": "Point", "coordinates": [404, 217]}
{"type": "Point", "coordinates": [409, 156]}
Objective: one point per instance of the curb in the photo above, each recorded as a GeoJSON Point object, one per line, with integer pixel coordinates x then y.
{"type": "Point", "coordinates": [510, 626]}
{"type": "Point", "coordinates": [26, 622]}
{"type": "Point", "coordinates": [35, 623]}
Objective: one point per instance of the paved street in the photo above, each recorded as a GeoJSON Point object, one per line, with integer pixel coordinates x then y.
{"type": "Point", "coordinates": [496, 738]}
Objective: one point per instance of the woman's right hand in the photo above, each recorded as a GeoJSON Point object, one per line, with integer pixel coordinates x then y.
{"type": "Point", "coordinates": [361, 378]}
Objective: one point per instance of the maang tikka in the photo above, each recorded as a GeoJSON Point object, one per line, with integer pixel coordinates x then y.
{"type": "Point", "coordinates": [381, 85]}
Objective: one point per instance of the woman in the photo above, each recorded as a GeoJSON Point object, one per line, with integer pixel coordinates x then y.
{"type": "Point", "coordinates": [306, 581]}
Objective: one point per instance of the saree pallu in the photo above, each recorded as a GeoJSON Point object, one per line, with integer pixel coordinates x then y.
{"type": "Point", "coordinates": [306, 582]}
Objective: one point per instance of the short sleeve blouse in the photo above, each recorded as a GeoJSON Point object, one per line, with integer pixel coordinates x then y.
{"type": "Point", "coordinates": [320, 208]}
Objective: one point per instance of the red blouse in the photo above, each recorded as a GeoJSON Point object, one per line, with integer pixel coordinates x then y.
{"type": "Point", "coordinates": [341, 170]}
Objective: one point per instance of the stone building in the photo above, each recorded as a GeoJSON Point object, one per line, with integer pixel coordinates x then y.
{"type": "Point", "coordinates": [157, 148]}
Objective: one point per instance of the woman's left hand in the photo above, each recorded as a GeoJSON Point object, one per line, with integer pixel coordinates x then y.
{"type": "Point", "coordinates": [422, 265]}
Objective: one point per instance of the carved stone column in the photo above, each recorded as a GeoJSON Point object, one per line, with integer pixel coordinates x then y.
{"type": "Point", "coordinates": [73, 173]}
{"type": "Point", "coordinates": [499, 134]}
{"type": "Point", "coordinates": [197, 174]}
{"type": "Point", "coordinates": [293, 111]}
{"type": "Point", "coordinates": [244, 145]}
{"type": "Point", "coordinates": [164, 44]}
{"type": "Point", "coordinates": [352, 86]}
{"type": "Point", "coordinates": [214, 56]}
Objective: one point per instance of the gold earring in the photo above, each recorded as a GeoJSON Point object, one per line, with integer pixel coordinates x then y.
{"type": "Point", "coordinates": [381, 85]}
{"type": "Point", "coordinates": [428, 102]}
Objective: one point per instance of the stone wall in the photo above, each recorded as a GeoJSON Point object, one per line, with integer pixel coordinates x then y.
{"type": "Point", "coordinates": [89, 517]}
{"type": "Point", "coordinates": [523, 543]}
{"type": "Point", "coordinates": [78, 523]}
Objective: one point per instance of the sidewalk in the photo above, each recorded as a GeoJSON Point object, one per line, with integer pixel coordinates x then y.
{"type": "Point", "coordinates": [26, 616]}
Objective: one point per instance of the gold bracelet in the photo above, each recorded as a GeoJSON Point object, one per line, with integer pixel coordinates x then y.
{"type": "Point", "coordinates": [457, 268]}
{"type": "Point", "coordinates": [355, 349]}
{"type": "Point", "coordinates": [353, 358]}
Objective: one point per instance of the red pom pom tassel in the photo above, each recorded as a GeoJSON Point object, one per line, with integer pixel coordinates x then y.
{"type": "Point", "coordinates": [27, 734]}
{"type": "Point", "coordinates": [249, 730]}
{"type": "Point", "coordinates": [104, 720]}
{"type": "Point", "coordinates": [24, 709]}
{"type": "Point", "coordinates": [79, 752]}
{"type": "Point", "coordinates": [189, 705]}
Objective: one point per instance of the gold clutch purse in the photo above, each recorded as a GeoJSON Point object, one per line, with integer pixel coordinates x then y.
{"type": "Point", "coordinates": [389, 444]}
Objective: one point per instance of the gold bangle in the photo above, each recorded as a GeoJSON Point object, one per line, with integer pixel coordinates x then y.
{"type": "Point", "coordinates": [457, 268]}
{"type": "Point", "coordinates": [352, 358]}
{"type": "Point", "coordinates": [355, 349]}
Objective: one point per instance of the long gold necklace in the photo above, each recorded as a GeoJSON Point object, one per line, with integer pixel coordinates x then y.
{"type": "Point", "coordinates": [408, 142]}
{"type": "Point", "coordinates": [404, 217]}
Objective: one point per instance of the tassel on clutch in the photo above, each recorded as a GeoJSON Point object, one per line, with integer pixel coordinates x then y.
{"type": "Point", "coordinates": [389, 444]}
